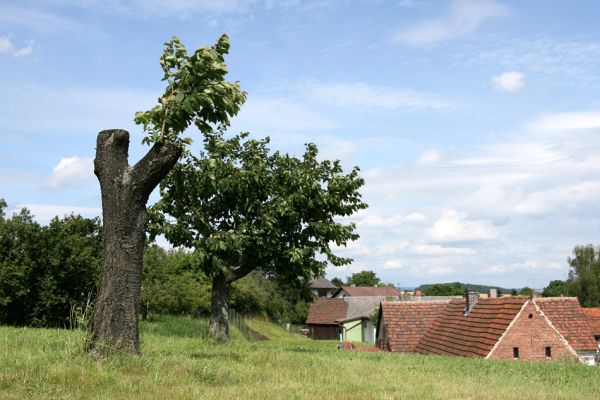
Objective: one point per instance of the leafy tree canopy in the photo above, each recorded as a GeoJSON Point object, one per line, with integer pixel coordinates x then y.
{"type": "Point", "coordinates": [584, 275]}
{"type": "Point", "coordinates": [555, 288]}
{"type": "Point", "coordinates": [526, 291]}
{"type": "Point", "coordinates": [363, 278]}
{"type": "Point", "coordinates": [441, 289]}
{"type": "Point", "coordinates": [337, 282]}
{"type": "Point", "coordinates": [197, 92]}
{"type": "Point", "coordinates": [242, 208]}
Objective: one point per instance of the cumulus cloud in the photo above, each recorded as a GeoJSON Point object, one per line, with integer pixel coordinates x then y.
{"type": "Point", "coordinates": [71, 172]}
{"type": "Point", "coordinates": [511, 81]}
{"type": "Point", "coordinates": [462, 18]}
{"type": "Point", "coordinates": [8, 48]}
{"type": "Point", "coordinates": [456, 227]}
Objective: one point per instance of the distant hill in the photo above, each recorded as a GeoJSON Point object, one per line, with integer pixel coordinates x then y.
{"type": "Point", "coordinates": [469, 286]}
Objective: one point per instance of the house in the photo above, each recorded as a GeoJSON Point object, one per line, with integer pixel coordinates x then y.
{"type": "Point", "coordinates": [357, 326]}
{"type": "Point", "coordinates": [512, 327]}
{"type": "Point", "coordinates": [402, 324]}
{"type": "Point", "coordinates": [323, 318]}
{"type": "Point", "coordinates": [347, 319]}
{"type": "Point", "coordinates": [321, 287]}
{"type": "Point", "coordinates": [593, 317]}
{"type": "Point", "coordinates": [377, 291]}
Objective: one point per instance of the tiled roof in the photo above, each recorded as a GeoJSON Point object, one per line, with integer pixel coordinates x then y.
{"type": "Point", "coordinates": [474, 334]}
{"type": "Point", "coordinates": [321, 283]}
{"type": "Point", "coordinates": [362, 306]}
{"type": "Point", "coordinates": [327, 311]}
{"type": "Point", "coordinates": [407, 322]}
{"type": "Point", "coordinates": [567, 316]}
{"type": "Point", "coordinates": [371, 291]}
{"type": "Point", "coordinates": [593, 317]}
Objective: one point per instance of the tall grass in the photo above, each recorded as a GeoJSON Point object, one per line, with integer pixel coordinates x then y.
{"type": "Point", "coordinates": [180, 363]}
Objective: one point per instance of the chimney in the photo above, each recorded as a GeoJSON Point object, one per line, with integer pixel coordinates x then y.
{"type": "Point", "coordinates": [493, 293]}
{"type": "Point", "coordinates": [418, 293]}
{"type": "Point", "coordinates": [471, 298]}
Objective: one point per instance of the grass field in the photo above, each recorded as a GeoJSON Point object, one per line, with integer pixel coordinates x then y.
{"type": "Point", "coordinates": [180, 363]}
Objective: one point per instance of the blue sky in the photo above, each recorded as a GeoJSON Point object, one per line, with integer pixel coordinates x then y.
{"type": "Point", "coordinates": [476, 123]}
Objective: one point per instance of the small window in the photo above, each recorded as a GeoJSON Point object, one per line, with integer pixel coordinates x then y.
{"type": "Point", "coordinates": [516, 353]}
{"type": "Point", "coordinates": [548, 352]}
{"type": "Point", "coordinates": [530, 316]}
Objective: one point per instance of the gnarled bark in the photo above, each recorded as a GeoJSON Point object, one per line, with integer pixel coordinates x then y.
{"type": "Point", "coordinates": [219, 305]}
{"type": "Point", "coordinates": [125, 190]}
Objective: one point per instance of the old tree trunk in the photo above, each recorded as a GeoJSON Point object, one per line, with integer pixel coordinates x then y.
{"type": "Point", "coordinates": [219, 308]}
{"type": "Point", "coordinates": [125, 190]}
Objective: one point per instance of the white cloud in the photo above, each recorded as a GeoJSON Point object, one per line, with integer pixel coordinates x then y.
{"type": "Point", "coordinates": [527, 265]}
{"type": "Point", "coordinates": [71, 172]}
{"type": "Point", "coordinates": [416, 217]}
{"type": "Point", "coordinates": [339, 150]}
{"type": "Point", "coordinates": [7, 47]}
{"type": "Point", "coordinates": [462, 18]}
{"type": "Point", "coordinates": [437, 250]}
{"type": "Point", "coordinates": [511, 81]}
{"type": "Point", "coordinates": [429, 157]}
{"type": "Point", "coordinates": [360, 95]}
{"type": "Point", "coordinates": [393, 264]}
{"type": "Point", "coordinates": [566, 121]}
{"type": "Point", "coordinates": [352, 248]}
{"type": "Point", "coordinates": [456, 227]}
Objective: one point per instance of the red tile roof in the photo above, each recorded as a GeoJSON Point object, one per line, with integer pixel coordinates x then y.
{"type": "Point", "coordinates": [567, 316]}
{"type": "Point", "coordinates": [406, 322]}
{"type": "Point", "coordinates": [593, 317]}
{"type": "Point", "coordinates": [473, 335]}
{"type": "Point", "coordinates": [327, 311]}
{"type": "Point", "coordinates": [371, 291]}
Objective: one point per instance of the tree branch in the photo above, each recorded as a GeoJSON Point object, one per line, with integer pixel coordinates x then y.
{"type": "Point", "coordinates": [147, 173]}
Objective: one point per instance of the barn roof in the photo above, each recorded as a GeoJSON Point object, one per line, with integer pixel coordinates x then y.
{"type": "Point", "coordinates": [321, 283]}
{"type": "Point", "coordinates": [567, 316]}
{"type": "Point", "coordinates": [327, 311]}
{"type": "Point", "coordinates": [473, 334]}
{"type": "Point", "coordinates": [406, 322]}
{"type": "Point", "coordinates": [362, 306]}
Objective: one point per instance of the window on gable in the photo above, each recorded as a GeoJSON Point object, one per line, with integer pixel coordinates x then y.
{"type": "Point", "coordinates": [548, 352]}
{"type": "Point", "coordinates": [516, 353]}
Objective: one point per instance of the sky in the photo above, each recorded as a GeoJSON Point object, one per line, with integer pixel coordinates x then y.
{"type": "Point", "coordinates": [475, 123]}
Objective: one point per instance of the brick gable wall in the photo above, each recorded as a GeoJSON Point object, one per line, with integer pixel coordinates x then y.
{"type": "Point", "coordinates": [532, 336]}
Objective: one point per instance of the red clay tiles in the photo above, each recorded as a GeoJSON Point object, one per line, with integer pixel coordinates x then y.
{"type": "Point", "coordinates": [405, 323]}
{"type": "Point", "coordinates": [593, 317]}
{"type": "Point", "coordinates": [326, 311]}
{"type": "Point", "coordinates": [567, 316]}
{"type": "Point", "coordinates": [471, 335]}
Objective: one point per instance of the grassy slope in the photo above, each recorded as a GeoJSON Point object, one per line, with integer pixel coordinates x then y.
{"type": "Point", "coordinates": [38, 363]}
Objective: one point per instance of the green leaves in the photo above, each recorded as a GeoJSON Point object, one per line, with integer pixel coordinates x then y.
{"type": "Point", "coordinates": [242, 205]}
{"type": "Point", "coordinates": [196, 93]}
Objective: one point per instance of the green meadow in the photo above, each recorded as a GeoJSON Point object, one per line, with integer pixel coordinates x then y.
{"type": "Point", "coordinates": [180, 362]}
